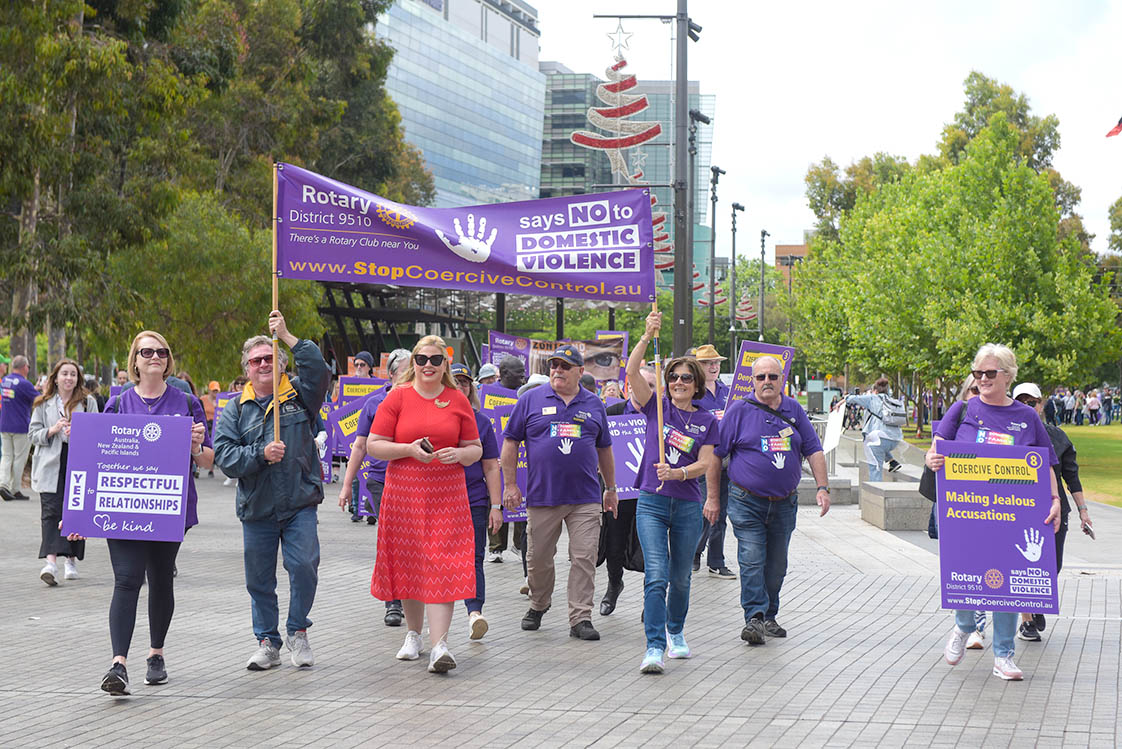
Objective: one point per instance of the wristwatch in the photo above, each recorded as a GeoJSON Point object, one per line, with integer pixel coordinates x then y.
{"type": "Point", "coordinates": [496, 507]}
{"type": "Point", "coordinates": [824, 489]}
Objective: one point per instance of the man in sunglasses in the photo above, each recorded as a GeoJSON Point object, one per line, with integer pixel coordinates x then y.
{"type": "Point", "coordinates": [766, 436]}
{"type": "Point", "coordinates": [280, 485]}
{"type": "Point", "coordinates": [566, 433]}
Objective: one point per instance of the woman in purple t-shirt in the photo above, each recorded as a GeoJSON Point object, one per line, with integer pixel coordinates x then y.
{"type": "Point", "coordinates": [668, 512]}
{"type": "Point", "coordinates": [993, 418]}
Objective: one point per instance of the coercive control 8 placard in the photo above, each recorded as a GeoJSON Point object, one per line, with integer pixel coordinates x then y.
{"type": "Point", "coordinates": [127, 476]}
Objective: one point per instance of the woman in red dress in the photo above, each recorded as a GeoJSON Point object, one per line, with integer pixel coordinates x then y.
{"type": "Point", "coordinates": [426, 546]}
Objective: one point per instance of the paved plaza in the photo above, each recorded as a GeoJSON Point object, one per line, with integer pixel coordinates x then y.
{"type": "Point", "coordinates": [862, 666]}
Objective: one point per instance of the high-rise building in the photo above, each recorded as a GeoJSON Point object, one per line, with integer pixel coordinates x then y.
{"type": "Point", "coordinates": [465, 78]}
{"type": "Point", "coordinates": [569, 169]}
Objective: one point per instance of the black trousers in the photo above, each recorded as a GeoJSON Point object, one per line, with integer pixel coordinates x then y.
{"type": "Point", "coordinates": [619, 530]}
{"type": "Point", "coordinates": [53, 542]}
{"type": "Point", "coordinates": [132, 561]}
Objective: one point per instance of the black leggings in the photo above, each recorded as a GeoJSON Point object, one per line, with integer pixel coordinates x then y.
{"type": "Point", "coordinates": [132, 560]}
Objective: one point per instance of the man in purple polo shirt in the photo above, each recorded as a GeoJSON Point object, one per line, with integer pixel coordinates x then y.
{"type": "Point", "coordinates": [15, 416]}
{"type": "Point", "coordinates": [565, 430]}
{"type": "Point", "coordinates": [766, 436]}
{"type": "Point", "coordinates": [376, 476]}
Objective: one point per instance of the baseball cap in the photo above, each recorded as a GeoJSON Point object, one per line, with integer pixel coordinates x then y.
{"type": "Point", "coordinates": [488, 370]}
{"type": "Point", "coordinates": [460, 370]}
{"type": "Point", "coordinates": [213, 385]}
{"type": "Point", "coordinates": [365, 356]}
{"type": "Point", "coordinates": [568, 354]}
{"type": "Point", "coordinates": [1027, 388]}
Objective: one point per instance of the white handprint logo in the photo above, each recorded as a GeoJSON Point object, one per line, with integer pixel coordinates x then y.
{"type": "Point", "coordinates": [471, 246]}
{"type": "Point", "coordinates": [672, 456]}
{"type": "Point", "coordinates": [566, 446]}
{"type": "Point", "coordinates": [1034, 545]}
{"type": "Point", "coordinates": [779, 460]}
{"type": "Point", "coordinates": [636, 448]}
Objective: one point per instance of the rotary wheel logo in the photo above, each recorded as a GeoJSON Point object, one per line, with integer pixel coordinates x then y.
{"type": "Point", "coordinates": [152, 431]}
{"type": "Point", "coordinates": [395, 217]}
{"type": "Point", "coordinates": [994, 578]}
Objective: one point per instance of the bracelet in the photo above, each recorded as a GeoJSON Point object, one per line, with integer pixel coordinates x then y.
{"type": "Point", "coordinates": [197, 454]}
{"type": "Point", "coordinates": [1081, 508]}
{"type": "Point", "coordinates": [685, 476]}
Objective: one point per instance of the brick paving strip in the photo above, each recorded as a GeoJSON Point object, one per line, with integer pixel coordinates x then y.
{"type": "Point", "coordinates": [862, 665]}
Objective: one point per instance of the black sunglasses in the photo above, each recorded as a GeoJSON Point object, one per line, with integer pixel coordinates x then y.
{"type": "Point", "coordinates": [564, 366]}
{"type": "Point", "coordinates": [989, 374]}
{"type": "Point", "coordinates": [767, 376]}
{"type": "Point", "coordinates": [675, 377]}
{"type": "Point", "coordinates": [1030, 401]}
{"type": "Point", "coordinates": [148, 353]}
{"type": "Point", "coordinates": [421, 360]}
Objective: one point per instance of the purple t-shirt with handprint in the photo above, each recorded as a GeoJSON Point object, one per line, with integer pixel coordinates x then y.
{"type": "Point", "coordinates": [684, 432]}
{"type": "Point", "coordinates": [561, 445]}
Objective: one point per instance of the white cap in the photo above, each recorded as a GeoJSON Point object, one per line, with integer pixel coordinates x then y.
{"type": "Point", "coordinates": [535, 380]}
{"type": "Point", "coordinates": [488, 370]}
{"type": "Point", "coordinates": [1027, 388]}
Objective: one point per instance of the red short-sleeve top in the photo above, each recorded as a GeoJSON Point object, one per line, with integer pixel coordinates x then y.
{"type": "Point", "coordinates": [405, 416]}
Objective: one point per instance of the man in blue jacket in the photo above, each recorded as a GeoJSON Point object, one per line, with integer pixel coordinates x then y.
{"type": "Point", "coordinates": [279, 485]}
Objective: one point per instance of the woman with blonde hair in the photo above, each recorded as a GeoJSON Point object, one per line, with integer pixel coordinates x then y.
{"type": "Point", "coordinates": [426, 429]}
{"type": "Point", "coordinates": [50, 433]}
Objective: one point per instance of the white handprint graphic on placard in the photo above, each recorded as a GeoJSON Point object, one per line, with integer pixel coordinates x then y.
{"type": "Point", "coordinates": [635, 446]}
{"type": "Point", "coordinates": [1034, 545]}
{"type": "Point", "coordinates": [672, 456]}
{"type": "Point", "coordinates": [779, 460]}
{"type": "Point", "coordinates": [566, 446]}
{"type": "Point", "coordinates": [471, 245]}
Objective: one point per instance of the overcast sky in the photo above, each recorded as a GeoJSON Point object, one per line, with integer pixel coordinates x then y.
{"type": "Point", "coordinates": [798, 81]}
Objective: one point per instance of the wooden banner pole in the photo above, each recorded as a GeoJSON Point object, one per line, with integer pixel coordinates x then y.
{"type": "Point", "coordinates": [276, 305]}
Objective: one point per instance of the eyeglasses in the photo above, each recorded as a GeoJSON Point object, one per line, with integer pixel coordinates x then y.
{"type": "Point", "coordinates": [974, 390]}
{"type": "Point", "coordinates": [1031, 402]}
{"type": "Point", "coordinates": [257, 361]}
{"type": "Point", "coordinates": [421, 360]}
{"type": "Point", "coordinates": [361, 365]}
{"type": "Point", "coordinates": [148, 353]}
{"type": "Point", "coordinates": [989, 374]}
{"type": "Point", "coordinates": [564, 366]}
{"type": "Point", "coordinates": [687, 378]}
{"type": "Point", "coordinates": [767, 376]}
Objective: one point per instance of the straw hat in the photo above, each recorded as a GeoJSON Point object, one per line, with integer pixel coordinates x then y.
{"type": "Point", "coordinates": [708, 352]}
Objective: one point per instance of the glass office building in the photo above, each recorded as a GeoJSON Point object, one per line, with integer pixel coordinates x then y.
{"type": "Point", "coordinates": [465, 79]}
{"type": "Point", "coordinates": [569, 169]}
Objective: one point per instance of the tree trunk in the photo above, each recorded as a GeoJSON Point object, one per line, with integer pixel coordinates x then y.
{"type": "Point", "coordinates": [23, 338]}
{"type": "Point", "coordinates": [56, 343]}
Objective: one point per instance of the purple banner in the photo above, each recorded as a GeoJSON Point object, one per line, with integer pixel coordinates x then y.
{"type": "Point", "coordinates": [584, 247]}
{"type": "Point", "coordinates": [749, 352]}
{"type": "Point", "coordinates": [127, 476]}
{"type": "Point", "coordinates": [602, 357]}
{"type": "Point", "coordinates": [995, 552]}
{"type": "Point", "coordinates": [628, 434]}
{"type": "Point", "coordinates": [626, 336]}
{"type": "Point", "coordinates": [351, 387]}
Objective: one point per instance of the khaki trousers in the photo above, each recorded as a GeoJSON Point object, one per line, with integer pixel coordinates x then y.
{"type": "Point", "coordinates": [14, 448]}
{"type": "Point", "coordinates": [543, 529]}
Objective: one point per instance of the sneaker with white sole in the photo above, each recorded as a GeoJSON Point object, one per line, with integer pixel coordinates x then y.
{"type": "Point", "coordinates": [976, 641]}
{"type": "Point", "coordinates": [677, 646]}
{"type": "Point", "coordinates": [956, 646]}
{"type": "Point", "coordinates": [477, 625]}
{"type": "Point", "coordinates": [722, 572]}
{"type": "Point", "coordinates": [49, 574]}
{"type": "Point", "coordinates": [411, 649]}
{"type": "Point", "coordinates": [525, 589]}
{"type": "Point", "coordinates": [301, 649]}
{"type": "Point", "coordinates": [266, 657]}
{"type": "Point", "coordinates": [1005, 668]}
{"type": "Point", "coordinates": [440, 660]}
{"type": "Point", "coordinates": [70, 569]}
{"type": "Point", "coordinates": [652, 662]}
{"type": "Point", "coordinates": [495, 556]}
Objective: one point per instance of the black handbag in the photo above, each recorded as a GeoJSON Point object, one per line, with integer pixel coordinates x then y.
{"type": "Point", "coordinates": [927, 480]}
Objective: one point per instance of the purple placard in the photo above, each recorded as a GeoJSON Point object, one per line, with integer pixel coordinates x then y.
{"type": "Point", "coordinates": [221, 400]}
{"type": "Point", "coordinates": [127, 476]}
{"type": "Point", "coordinates": [499, 416]}
{"type": "Point", "coordinates": [742, 372]}
{"type": "Point", "coordinates": [342, 424]}
{"type": "Point", "coordinates": [628, 435]}
{"type": "Point", "coordinates": [583, 247]}
{"type": "Point", "coordinates": [364, 507]}
{"type": "Point", "coordinates": [351, 387]}
{"type": "Point", "coordinates": [995, 552]}
{"type": "Point", "coordinates": [495, 396]}
{"type": "Point", "coordinates": [115, 390]}
{"type": "Point", "coordinates": [484, 354]}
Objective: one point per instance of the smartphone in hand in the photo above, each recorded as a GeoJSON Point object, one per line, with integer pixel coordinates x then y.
{"type": "Point", "coordinates": [1089, 531]}
{"type": "Point", "coordinates": [427, 446]}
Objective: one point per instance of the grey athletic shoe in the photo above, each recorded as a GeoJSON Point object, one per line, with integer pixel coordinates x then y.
{"type": "Point", "coordinates": [266, 657]}
{"type": "Point", "coordinates": [754, 632]}
{"type": "Point", "coordinates": [297, 642]}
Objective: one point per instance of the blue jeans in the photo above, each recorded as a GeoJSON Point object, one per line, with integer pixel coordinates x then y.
{"type": "Point", "coordinates": [668, 529]}
{"type": "Point", "coordinates": [881, 453]}
{"type": "Point", "coordinates": [714, 535]}
{"type": "Point", "coordinates": [479, 517]}
{"type": "Point", "coordinates": [299, 543]}
{"type": "Point", "coordinates": [1004, 627]}
{"type": "Point", "coordinates": [763, 531]}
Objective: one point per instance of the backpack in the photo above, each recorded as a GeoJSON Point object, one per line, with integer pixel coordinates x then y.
{"type": "Point", "coordinates": [893, 413]}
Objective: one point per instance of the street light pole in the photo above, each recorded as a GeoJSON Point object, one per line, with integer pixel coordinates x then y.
{"type": "Point", "coordinates": [683, 253]}
{"type": "Point", "coordinates": [760, 315]}
{"type": "Point", "coordinates": [716, 173]}
{"type": "Point", "coordinates": [733, 351]}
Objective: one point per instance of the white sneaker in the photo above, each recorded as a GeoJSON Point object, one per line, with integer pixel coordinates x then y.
{"type": "Point", "coordinates": [477, 624]}
{"type": "Point", "coordinates": [525, 589]}
{"type": "Point", "coordinates": [1006, 669]}
{"type": "Point", "coordinates": [495, 556]}
{"type": "Point", "coordinates": [229, 482]}
{"type": "Point", "coordinates": [70, 568]}
{"type": "Point", "coordinates": [976, 641]}
{"type": "Point", "coordinates": [956, 646]}
{"type": "Point", "coordinates": [301, 649]}
{"type": "Point", "coordinates": [440, 660]}
{"type": "Point", "coordinates": [49, 574]}
{"type": "Point", "coordinates": [411, 650]}
{"type": "Point", "coordinates": [266, 657]}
